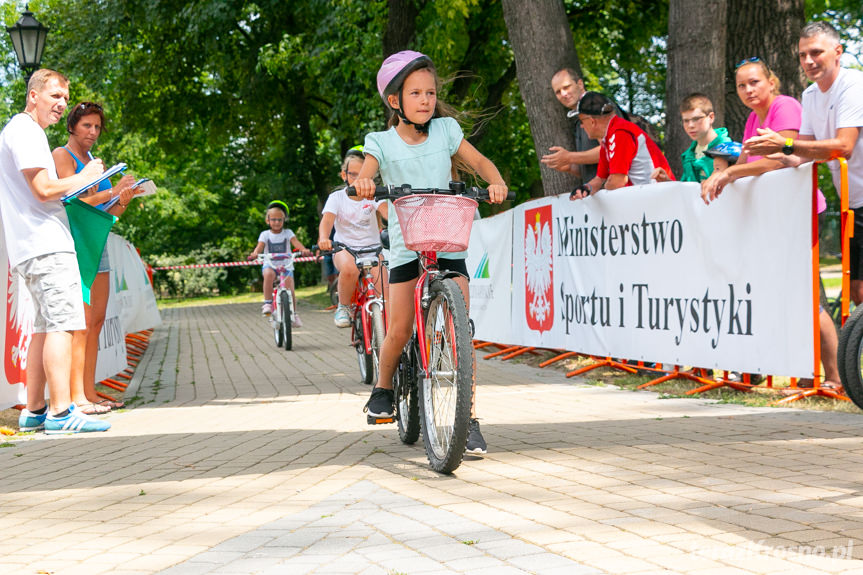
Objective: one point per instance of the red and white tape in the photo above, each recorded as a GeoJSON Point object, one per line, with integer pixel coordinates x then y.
{"type": "Point", "coordinates": [228, 264]}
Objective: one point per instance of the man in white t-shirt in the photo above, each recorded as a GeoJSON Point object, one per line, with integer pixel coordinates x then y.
{"type": "Point", "coordinates": [832, 126]}
{"type": "Point", "coordinates": [41, 250]}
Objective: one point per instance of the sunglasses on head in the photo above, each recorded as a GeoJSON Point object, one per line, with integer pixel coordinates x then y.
{"type": "Point", "coordinates": [745, 61]}
{"type": "Point", "coordinates": [90, 106]}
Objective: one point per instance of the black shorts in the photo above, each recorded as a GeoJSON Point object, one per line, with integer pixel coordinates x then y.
{"type": "Point", "coordinates": [411, 270]}
{"type": "Point", "coordinates": [856, 251]}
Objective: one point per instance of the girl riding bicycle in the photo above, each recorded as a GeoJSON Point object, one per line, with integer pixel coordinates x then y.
{"type": "Point", "coordinates": [356, 226]}
{"type": "Point", "coordinates": [418, 149]}
{"type": "Point", "coordinates": [276, 240]}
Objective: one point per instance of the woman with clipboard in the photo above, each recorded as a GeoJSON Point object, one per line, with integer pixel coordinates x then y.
{"type": "Point", "coordinates": [85, 124]}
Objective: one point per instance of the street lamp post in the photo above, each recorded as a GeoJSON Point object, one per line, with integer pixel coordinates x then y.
{"type": "Point", "coordinates": [28, 38]}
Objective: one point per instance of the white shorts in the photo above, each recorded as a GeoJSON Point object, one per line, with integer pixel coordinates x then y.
{"type": "Point", "coordinates": [54, 283]}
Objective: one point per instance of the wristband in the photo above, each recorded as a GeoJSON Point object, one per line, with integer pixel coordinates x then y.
{"type": "Point", "coordinates": [788, 148]}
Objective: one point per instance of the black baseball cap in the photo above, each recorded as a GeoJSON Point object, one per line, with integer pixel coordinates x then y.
{"type": "Point", "coordinates": [594, 104]}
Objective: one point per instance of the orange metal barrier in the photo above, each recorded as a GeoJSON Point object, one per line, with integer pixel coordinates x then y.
{"type": "Point", "coordinates": [847, 230]}
{"type": "Point", "coordinates": [136, 345]}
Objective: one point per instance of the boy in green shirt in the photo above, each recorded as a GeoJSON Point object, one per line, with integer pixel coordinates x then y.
{"type": "Point", "coordinates": [696, 112]}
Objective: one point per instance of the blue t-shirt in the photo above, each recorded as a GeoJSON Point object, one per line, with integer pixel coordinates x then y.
{"type": "Point", "coordinates": [104, 185]}
{"type": "Point", "coordinates": [425, 165]}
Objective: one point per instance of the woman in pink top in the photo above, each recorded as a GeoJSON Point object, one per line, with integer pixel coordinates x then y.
{"type": "Point", "coordinates": [758, 89]}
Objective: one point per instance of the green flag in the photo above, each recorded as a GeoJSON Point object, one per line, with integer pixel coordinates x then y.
{"type": "Point", "coordinates": [90, 227]}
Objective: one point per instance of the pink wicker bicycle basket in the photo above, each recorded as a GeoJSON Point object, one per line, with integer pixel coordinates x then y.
{"type": "Point", "coordinates": [435, 223]}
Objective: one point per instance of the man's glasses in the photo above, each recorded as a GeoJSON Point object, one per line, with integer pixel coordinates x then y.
{"type": "Point", "coordinates": [352, 174]}
{"type": "Point", "coordinates": [745, 61]}
{"type": "Point", "coordinates": [693, 120]}
{"type": "Point", "coordinates": [275, 219]}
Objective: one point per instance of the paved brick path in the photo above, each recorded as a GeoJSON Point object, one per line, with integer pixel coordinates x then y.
{"type": "Point", "coordinates": [242, 458]}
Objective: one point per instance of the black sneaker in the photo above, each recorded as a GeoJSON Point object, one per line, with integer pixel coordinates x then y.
{"type": "Point", "coordinates": [475, 442]}
{"type": "Point", "coordinates": [380, 404]}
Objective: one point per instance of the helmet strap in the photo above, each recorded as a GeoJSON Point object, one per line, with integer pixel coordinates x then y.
{"type": "Point", "coordinates": [420, 128]}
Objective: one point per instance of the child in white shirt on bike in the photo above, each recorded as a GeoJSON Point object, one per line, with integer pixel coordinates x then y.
{"type": "Point", "coordinates": [277, 240]}
{"type": "Point", "coordinates": [356, 226]}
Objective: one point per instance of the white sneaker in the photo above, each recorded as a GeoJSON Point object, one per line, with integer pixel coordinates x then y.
{"type": "Point", "coordinates": [342, 318]}
{"type": "Point", "coordinates": [267, 309]}
{"type": "Point", "coordinates": [296, 321]}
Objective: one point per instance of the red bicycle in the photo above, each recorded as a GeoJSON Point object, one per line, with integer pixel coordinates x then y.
{"type": "Point", "coordinates": [436, 370]}
{"type": "Point", "coordinates": [368, 312]}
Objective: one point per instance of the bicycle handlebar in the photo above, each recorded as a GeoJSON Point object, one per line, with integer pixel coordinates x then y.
{"type": "Point", "coordinates": [455, 189]}
{"type": "Point", "coordinates": [279, 257]}
{"type": "Point", "coordinates": [339, 246]}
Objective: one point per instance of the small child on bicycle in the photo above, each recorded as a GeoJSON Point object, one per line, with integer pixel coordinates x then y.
{"type": "Point", "coordinates": [356, 226]}
{"type": "Point", "coordinates": [277, 240]}
{"type": "Point", "coordinates": [420, 148]}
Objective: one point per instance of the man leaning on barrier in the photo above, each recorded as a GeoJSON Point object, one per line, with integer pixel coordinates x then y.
{"type": "Point", "coordinates": [627, 157]}
{"type": "Point", "coordinates": [832, 126]}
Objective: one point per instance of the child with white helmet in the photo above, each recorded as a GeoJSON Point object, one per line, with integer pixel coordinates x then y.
{"type": "Point", "coordinates": [420, 148]}
{"type": "Point", "coordinates": [278, 239]}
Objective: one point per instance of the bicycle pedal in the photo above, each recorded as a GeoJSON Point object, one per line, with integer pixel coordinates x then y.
{"type": "Point", "coordinates": [371, 420]}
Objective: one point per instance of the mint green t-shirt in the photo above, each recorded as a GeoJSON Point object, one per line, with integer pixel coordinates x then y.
{"type": "Point", "coordinates": [425, 165]}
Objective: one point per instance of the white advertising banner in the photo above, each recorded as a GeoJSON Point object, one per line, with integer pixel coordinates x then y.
{"type": "Point", "coordinates": [18, 317]}
{"type": "Point", "coordinates": [112, 339]}
{"type": "Point", "coordinates": [489, 263]}
{"type": "Point", "coordinates": [131, 287]}
{"type": "Point", "coordinates": [652, 273]}
{"type": "Point", "coordinates": [131, 307]}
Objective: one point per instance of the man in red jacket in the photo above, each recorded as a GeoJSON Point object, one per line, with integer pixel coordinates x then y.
{"type": "Point", "coordinates": [627, 155]}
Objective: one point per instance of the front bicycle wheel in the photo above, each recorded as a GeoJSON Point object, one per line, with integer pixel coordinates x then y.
{"type": "Point", "coordinates": [379, 332]}
{"type": "Point", "coordinates": [406, 394]}
{"type": "Point", "coordinates": [367, 368]}
{"type": "Point", "coordinates": [285, 311]}
{"type": "Point", "coordinates": [278, 334]}
{"type": "Point", "coordinates": [445, 391]}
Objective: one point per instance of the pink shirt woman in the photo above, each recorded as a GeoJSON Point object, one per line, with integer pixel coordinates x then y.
{"type": "Point", "coordinates": [758, 89]}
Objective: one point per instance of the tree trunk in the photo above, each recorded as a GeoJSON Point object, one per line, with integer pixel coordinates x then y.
{"type": "Point", "coordinates": [401, 25]}
{"type": "Point", "coordinates": [542, 43]}
{"type": "Point", "coordinates": [696, 63]}
{"type": "Point", "coordinates": [768, 30]}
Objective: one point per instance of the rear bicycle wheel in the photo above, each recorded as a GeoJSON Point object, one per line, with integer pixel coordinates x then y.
{"type": "Point", "coordinates": [850, 353]}
{"type": "Point", "coordinates": [367, 368]}
{"type": "Point", "coordinates": [406, 394]}
{"type": "Point", "coordinates": [285, 312]}
{"type": "Point", "coordinates": [445, 391]}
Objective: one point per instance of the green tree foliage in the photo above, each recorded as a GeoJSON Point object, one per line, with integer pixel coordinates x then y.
{"type": "Point", "coordinates": [228, 104]}
{"type": "Point", "coordinates": [622, 50]}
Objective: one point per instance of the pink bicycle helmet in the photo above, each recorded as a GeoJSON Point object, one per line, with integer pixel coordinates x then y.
{"type": "Point", "coordinates": [396, 68]}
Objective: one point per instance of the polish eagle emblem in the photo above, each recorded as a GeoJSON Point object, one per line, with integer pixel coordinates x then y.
{"type": "Point", "coordinates": [538, 269]}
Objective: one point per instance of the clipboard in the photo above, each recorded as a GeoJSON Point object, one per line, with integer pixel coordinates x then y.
{"type": "Point", "coordinates": [112, 171]}
{"type": "Point", "coordinates": [143, 187]}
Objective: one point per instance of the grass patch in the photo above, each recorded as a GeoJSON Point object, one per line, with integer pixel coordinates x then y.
{"type": "Point", "coordinates": [314, 295]}
{"type": "Point", "coordinates": [832, 282]}
{"type": "Point", "coordinates": [829, 260]}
